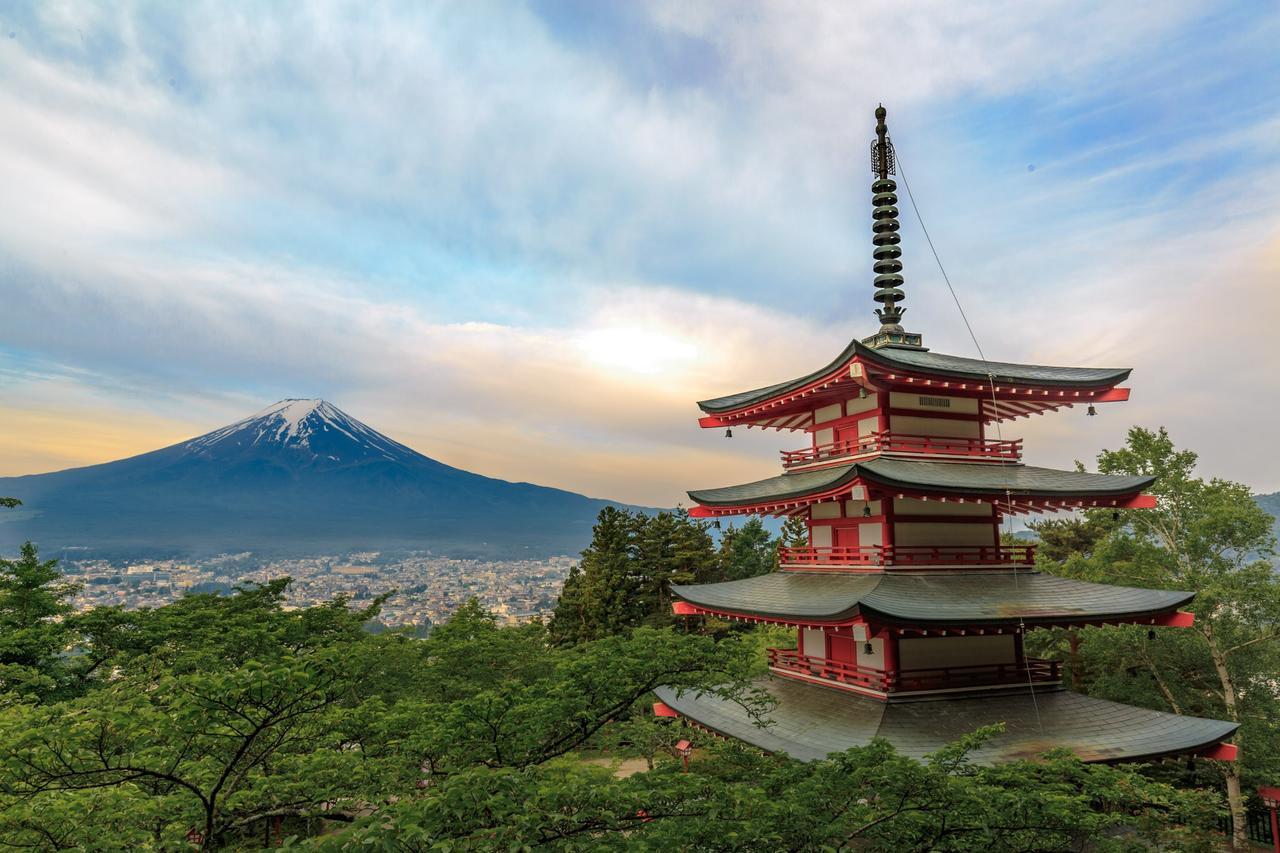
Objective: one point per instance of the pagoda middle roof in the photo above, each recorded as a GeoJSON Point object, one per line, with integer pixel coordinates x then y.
{"type": "Point", "coordinates": [932, 599]}
{"type": "Point", "coordinates": [811, 721]}
{"type": "Point", "coordinates": [961, 478]}
{"type": "Point", "coordinates": [938, 364]}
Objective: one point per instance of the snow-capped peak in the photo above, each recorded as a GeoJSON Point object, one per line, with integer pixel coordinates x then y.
{"type": "Point", "coordinates": [299, 423]}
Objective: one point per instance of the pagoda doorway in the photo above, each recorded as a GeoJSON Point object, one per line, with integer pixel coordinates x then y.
{"type": "Point", "coordinates": [841, 649]}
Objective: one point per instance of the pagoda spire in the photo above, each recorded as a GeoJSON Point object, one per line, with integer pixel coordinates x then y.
{"type": "Point", "coordinates": [887, 253]}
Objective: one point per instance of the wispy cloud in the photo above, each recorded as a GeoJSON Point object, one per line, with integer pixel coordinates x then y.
{"type": "Point", "coordinates": [525, 239]}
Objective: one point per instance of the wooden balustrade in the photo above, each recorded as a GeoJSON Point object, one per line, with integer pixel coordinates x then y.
{"type": "Point", "coordinates": [1033, 670]}
{"type": "Point", "coordinates": [920, 556]}
{"type": "Point", "coordinates": [890, 442]}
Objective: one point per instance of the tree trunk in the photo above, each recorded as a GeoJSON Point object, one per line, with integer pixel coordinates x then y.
{"type": "Point", "coordinates": [1230, 769]}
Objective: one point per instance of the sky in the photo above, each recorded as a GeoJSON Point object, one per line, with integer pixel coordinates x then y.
{"type": "Point", "coordinates": [524, 238]}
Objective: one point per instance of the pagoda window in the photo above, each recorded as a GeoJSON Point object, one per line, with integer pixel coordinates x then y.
{"type": "Point", "coordinates": [934, 403]}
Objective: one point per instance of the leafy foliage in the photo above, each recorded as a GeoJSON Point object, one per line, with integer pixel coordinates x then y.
{"type": "Point", "coordinates": [1208, 536]}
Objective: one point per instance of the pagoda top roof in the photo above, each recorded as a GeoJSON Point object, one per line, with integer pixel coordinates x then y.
{"type": "Point", "coordinates": [811, 721]}
{"type": "Point", "coordinates": [934, 364]}
{"type": "Point", "coordinates": [961, 478]}
{"type": "Point", "coordinates": [932, 599]}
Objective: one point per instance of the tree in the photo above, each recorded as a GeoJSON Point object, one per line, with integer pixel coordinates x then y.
{"type": "Point", "coordinates": [33, 601]}
{"type": "Point", "coordinates": [624, 578]}
{"type": "Point", "coordinates": [1208, 537]}
{"type": "Point", "coordinates": [795, 532]}
{"type": "Point", "coordinates": [748, 551]}
{"type": "Point", "coordinates": [867, 798]}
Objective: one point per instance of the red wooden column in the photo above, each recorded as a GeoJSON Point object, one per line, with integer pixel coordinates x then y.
{"type": "Point", "coordinates": [890, 641]}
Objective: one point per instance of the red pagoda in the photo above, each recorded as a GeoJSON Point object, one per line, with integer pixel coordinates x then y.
{"type": "Point", "coordinates": [909, 612]}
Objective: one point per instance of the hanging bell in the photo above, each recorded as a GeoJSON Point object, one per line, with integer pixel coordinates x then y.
{"type": "Point", "coordinates": [866, 510]}
{"type": "Point", "coordinates": [867, 648]}
{"type": "Point", "coordinates": [862, 393]}
{"type": "Point", "coordinates": [728, 433]}
{"type": "Point", "coordinates": [1092, 411]}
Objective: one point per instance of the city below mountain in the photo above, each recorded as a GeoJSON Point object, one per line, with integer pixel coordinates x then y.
{"type": "Point", "coordinates": [300, 477]}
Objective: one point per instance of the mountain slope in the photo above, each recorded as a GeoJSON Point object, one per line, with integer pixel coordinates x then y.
{"type": "Point", "coordinates": [298, 477]}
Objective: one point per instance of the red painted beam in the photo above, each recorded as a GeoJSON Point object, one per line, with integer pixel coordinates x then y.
{"type": "Point", "coordinates": [1140, 502]}
{"type": "Point", "coordinates": [1114, 395]}
{"type": "Point", "coordinates": [1221, 752]}
{"type": "Point", "coordinates": [683, 608]}
{"type": "Point", "coordinates": [1177, 619]}
{"type": "Point", "coordinates": [700, 512]}
{"type": "Point", "coordinates": [712, 421]}
{"type": "Point", "coordinates": [662, 709]}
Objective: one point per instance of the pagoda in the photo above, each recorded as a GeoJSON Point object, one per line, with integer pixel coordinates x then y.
{"type": "Point", "coordinates": [909, 611]}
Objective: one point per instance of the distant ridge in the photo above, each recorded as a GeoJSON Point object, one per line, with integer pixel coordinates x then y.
{"type": "Point", "coordinates": [298, 477]}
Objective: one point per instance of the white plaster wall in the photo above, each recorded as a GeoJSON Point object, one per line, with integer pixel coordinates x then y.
{"type": "Point", "coordinates": [821, 535]}
{"type": "Point", "coordinates": [871, 533]}
{"type": "Point", "coordinates": [932, 652]}
{"type": "Point", "coordinates": [942, 427]}
{"type": "Point", "coordinates": [941, 533]}
{"type": "Point", "coordinates": [853, 509]}
{"type": "Point", "coordinates": [826, 509]}
{"type": "Point", "coordinates": [824, 436]}
{"type": "Point", "coordinates": [866, 426]}
{"type": "Point", "coordinates": [875, 660]}
{"type": "Point", "coordinates": [827, 413]}
{"type": "Point", "coordinates": [815, 643]}
{"type": "Point", "coordinates": [915, 506]}
{"type": "Point", "coordinates": [857, 405]}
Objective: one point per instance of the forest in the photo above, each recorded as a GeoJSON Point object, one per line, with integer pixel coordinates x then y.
{"type": "Point", "coordinates": [229, 722]}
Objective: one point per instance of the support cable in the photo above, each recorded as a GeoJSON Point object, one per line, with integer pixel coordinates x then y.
{"type": "Point", "coordinates": [995, 411]}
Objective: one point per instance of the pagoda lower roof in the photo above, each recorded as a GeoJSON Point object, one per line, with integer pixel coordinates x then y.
{"type": "Point", "coordinates": [958, 478]}
{"type": "Point", "coordinates": [812, 721]}
{"type": "Point", "coordinates": [933, 364]}
{"type": "Point", "coordinates": [936, 599]}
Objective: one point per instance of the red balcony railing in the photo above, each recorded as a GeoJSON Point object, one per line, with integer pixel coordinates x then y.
{"type": "Point", "coordinates": [889, 442]}
{"type": "Point", "coordinates": [931, 556]}
{"type": "Point", "coordinates": [790, 660]}
{"type": "Point", "coordinates": [1036, 670]}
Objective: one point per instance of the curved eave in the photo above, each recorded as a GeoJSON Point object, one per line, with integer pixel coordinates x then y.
{"type": "Point", "coordinates": [975, 479]}
{"type": "Point", "coordinates": [926, 364]}
{"type": "Point", "coordinates": [810, 722]}
{"type": "Point", "coordinates": [931, 601]}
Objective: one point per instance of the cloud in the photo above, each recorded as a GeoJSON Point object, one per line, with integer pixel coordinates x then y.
{"type": "Point", "coordinates": [525, 247]}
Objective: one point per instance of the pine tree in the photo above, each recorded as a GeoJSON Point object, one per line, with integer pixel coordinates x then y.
{"type": "Point", "coordinates": [748, 551]}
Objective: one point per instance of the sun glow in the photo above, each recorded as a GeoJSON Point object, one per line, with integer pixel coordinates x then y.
{"type": "Point", "coordinates": [636, 350]}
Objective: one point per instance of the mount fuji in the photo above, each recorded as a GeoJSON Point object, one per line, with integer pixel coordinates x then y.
{"type": "Point", "coordinates": [299, 477]}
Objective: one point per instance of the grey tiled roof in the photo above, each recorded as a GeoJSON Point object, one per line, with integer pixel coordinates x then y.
{"type": "Point", "coordinates": [981, 478]}
{"type": "Point", "coordinates": [811, 721]}
{"type": "Point", "coordinates": [953, 599]}
{"type": "Point", "coordinates": [936, 363]}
